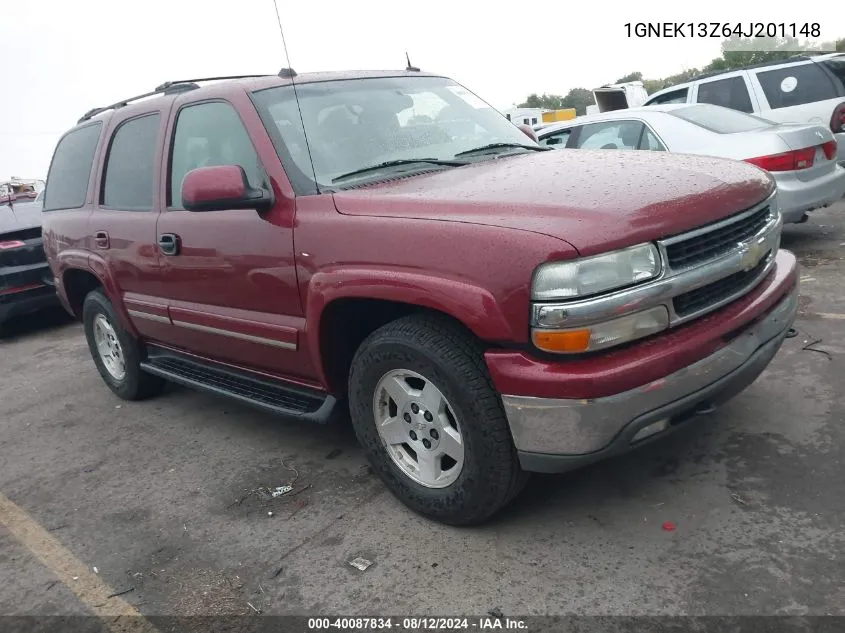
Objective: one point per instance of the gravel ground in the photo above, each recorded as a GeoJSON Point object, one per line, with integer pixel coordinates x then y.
{"type": "Point", "coordinates": [161, 497]}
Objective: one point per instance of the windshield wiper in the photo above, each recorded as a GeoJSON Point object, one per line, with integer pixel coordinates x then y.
{"type": "Point", "coordinates": [483, 148]}
{"type": "Point", "coordinates": [396, 163]}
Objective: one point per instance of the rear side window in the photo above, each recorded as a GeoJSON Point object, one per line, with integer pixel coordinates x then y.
{"type": "Point", "coordinates": [128, 181]}
{"type": "Point", "coordinates": [796, 85]}
{"type": "Point", "coordinates": [729, 93]}
{"type": "Point", "coordinates": [650, 142]}
{"type": "Point", "coordinates": [676, 96]}
{"type": "Point", "coordinates": [67, 181]}
{"type": "Point", "coordinates": [210, 134]}
{"type": "Point", "coordinates": [610, 135]}
{"type": "Point", "coordinates": [836, 65]}
{"type": "Point", "coordinates": [720, 120]}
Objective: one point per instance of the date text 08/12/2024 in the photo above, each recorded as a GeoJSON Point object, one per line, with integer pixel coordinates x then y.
{"type": "Point", "coordinates": [417, 623]}
{"type": "Point", "coordinates": [723, 29]}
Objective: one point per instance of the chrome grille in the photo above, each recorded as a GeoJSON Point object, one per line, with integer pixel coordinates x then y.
{"type": "Point", "coordinates": [716, 292]}
{"type": "Point", "coordinates": [710, 244]}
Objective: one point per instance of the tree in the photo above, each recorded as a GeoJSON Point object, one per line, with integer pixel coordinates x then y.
{"type": "Point", "coordinates": [578, 98]}
{"type": "Point", "coordinates": [636, 76]}
{"type": "Point", "coordinates": [547, 102]}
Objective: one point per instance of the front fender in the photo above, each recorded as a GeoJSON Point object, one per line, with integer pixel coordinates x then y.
{"type": "Point", "coordinates": [472, 305]}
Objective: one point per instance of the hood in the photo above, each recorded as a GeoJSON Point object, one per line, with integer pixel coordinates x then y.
{"type": "Point", "coordinates": [595, 200]}
{"type": "Point", "coordinates": [21, 215]}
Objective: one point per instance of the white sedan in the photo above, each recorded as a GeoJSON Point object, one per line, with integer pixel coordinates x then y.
{"type": "Point", "coordinates": [801, 158]}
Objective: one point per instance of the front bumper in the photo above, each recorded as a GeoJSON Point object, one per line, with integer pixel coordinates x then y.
{"type": "Point", "coordinates": [555, 435]}
{"type": "Point", "coordinates": [796, 197]}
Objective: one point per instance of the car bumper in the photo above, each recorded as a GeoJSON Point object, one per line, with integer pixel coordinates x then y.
{"type": "Point", "coordinates": [26, 291]}
{"type": "Point", "coordinates": [559, 434]}
{"type": "Point", "coordinates": [795, 197]}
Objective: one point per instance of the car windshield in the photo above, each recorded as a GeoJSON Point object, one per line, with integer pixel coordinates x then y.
{"type": "Point", "coordinates": [720, 120]}
{"type": "Point", "coordinates": [356, 124]}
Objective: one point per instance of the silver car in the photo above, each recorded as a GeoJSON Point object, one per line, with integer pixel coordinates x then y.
{"type": "Point", "coordinates": [802, 157]}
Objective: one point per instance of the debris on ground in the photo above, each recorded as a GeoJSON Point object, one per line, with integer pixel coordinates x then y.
{"type": "Point", "coordinates": [269, 514]}
{"type": "Point", "coordinates": [361, 564]}
{"type": "Point", "coordinates": [280, 490]}
{"type": "Point", "coordinates": [276, 573]}
{"type": "Point", "coordinates": [120, 593]}
{"type": "Point", "coordinates": [669, 526]}
{"type": "Point", "coordinates": [96, 571]}
{"type": "Point", "coordinates": [496, 613]}
{"type": "Point", "coordinates": [333, 453]}
{"type": "Point", "coordinates": [253, 608]}
{"type": "Point", "coordinates": [738, 499]}
{"type": "Point", "coordinates": [809, 346]}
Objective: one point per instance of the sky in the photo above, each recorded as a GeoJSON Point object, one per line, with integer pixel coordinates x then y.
{"type": "Point", "coordinates": [61, 58]}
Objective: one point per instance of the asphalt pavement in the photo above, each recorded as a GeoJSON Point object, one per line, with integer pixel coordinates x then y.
{"type": "Point", "coordinates": [169, 500]}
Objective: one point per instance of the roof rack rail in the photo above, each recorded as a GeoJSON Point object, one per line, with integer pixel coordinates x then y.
{"type": "Point", "coordinates": [167, 88]}
{"type": "Point", "coordinates": [774, 62]}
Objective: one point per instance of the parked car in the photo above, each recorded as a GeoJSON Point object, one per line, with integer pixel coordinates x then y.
{"type": "Point", "coordinates": [802, 158]}
{"type": "Point", "coordinates": [800, 90]}
{"type": "Point", "coordinates": [388, 240]}
{"type": "Point", "coordinates": [26, 283]}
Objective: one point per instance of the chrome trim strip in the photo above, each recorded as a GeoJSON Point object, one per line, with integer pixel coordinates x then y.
{"type": "Point", "coordinates": [149, 316]}
{"type": "Point", "coordinates": [670, 284]}
{"type": "Point", "coordinates": [576, 427]}
{"type": "Point", "coordinates": [237, 335]}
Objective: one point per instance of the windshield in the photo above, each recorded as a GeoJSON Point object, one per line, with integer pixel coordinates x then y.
{"type": "Point", "coordinates": [720, 120]}
{"type": "Point", "coordinates": [354, 124]}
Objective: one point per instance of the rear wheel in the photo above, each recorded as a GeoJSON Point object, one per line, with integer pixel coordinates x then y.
{"type": "Point", "coordinates": [433, 428]}
{"type": "Point", "coordinates": [116, 354]}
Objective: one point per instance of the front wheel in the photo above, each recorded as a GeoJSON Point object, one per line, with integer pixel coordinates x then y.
{"type": "Point", "coordinates": [432, 426]}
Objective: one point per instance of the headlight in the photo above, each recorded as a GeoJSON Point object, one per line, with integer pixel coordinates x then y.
{"type": "Point", "coordinates": [593, 275]}
{"type": "Point", "coordinates": [601, 335]}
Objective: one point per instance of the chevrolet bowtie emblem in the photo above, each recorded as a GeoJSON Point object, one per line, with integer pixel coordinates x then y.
{"type": "Point", "coordinates": [751, 254]}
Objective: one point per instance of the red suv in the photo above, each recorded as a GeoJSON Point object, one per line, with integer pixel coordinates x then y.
{"type": "Point", "coordinates": [388, 240]}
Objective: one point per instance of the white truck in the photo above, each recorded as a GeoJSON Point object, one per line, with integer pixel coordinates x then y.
{"type": "Point", "coordinates": [630, 94]}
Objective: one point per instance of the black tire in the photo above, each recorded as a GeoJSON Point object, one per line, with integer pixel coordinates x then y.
{"type": "Point", "coordinates": [135, 384]}
{"type": "Point", "coordinates": [453, 360]}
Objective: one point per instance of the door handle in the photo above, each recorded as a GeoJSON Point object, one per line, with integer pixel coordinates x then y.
{"type": "Point", "coordinates": [101, 239]}
{"type": "Point", "coordinates": [169, 243]}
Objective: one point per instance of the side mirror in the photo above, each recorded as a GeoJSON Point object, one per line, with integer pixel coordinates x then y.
{"type": "Point", "coordinates": [220, 188]}
{"type": "Point", "coordinates": [530, 133]}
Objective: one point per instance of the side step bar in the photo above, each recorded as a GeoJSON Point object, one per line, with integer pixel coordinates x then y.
{"type": "Point", "coordinates": [275, 397]}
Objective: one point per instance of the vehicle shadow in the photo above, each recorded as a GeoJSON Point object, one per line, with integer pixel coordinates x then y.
{"type": "Point", "coordinates": [638, 477]}
{"type": "Point", "coordinates": [35, 324]}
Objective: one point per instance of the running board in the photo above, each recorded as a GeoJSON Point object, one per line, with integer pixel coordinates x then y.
{"type": "Point", "coordinates": [275, 397]}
